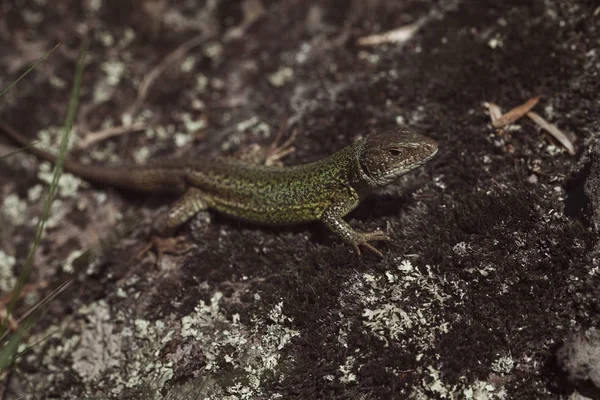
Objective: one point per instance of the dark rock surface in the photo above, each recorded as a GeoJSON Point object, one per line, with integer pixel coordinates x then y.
{"type": "Point", "coordinates": [579, 357]}
{"type": "Point", "coordinates": [487, 274]}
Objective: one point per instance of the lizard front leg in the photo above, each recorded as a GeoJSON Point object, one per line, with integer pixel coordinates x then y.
{"type": "Point", "coordinates": [164, 227]}
{"type": "Point", "coordinates": [343, 202]}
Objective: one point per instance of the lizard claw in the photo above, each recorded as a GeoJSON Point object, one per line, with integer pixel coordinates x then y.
{"type": "Point", "coordinates": [172, 245]}
{"type": "Point", "coordinates": [363, 239]}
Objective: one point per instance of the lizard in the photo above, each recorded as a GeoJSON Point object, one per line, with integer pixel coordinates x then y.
{"type": "Point", "coordinates": [325, 190]}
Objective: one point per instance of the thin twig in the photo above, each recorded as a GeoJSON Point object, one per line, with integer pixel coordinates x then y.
{"type": "Point", "coordinates": [152, 76]}
{"type": "Point", "coordinates": [98, 136]}
{"type": "Point", "coordinates": [61, 288]}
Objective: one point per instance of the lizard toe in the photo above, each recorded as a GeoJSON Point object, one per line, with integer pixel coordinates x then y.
{"type": "Point", "coordinates": [172, 245]}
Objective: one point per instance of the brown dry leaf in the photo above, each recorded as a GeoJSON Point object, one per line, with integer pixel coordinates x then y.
{"type": "Point", "coordinates": [552, 130]}
{"type": "Point", "coordinates": [494, 110]}
{"type": "Point", "coordinates": [516, 113]}
{"type": "Point", "coordinates": [398, 35]}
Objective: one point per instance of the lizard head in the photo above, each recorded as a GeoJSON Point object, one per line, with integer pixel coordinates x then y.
{"type": "Point", "coordinates": [387, 155]}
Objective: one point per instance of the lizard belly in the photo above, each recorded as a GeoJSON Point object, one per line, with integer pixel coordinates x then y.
{"type": "Point", "coordinates": [270, 214]}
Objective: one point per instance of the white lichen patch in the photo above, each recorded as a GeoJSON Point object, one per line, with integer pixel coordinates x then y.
{"type": "Point", "coordinates": [432, 386]}
{"type": "Point", "coordinates": [403, 308]}
{"type": "Point", "coordinates": [114, 71]}
{"type": "Point", "coordinates": [503, 365]}
{"type": "Point", "coordinates": [50, 138]}
{"type": "Point", "coordinates": [201, 83]}
{"type": "Point", "coordinates": [281, 76]}
{"type": "Point", "coordinates": [7, 276]}
{"type": "Point", "coordinates": [192, 125]}
{"type": "Point", "coordinates": [58, 211]}
{"type": "Point", "coordinates": [346, 370]}
{"type": "Point", "coordinates": [480, 390]}
{"type": "Point", "coordinates": [188, 64]}
{"type": "Point", "coordinates": [34, 193]}
{"type": "Point", "coordinates": [68, 184]}
{"type": "Point", "coordinates": [461, 249]}
{"type": "Point", "coordinates": [110, 352]}
{"type": "Point", "coordinates": [99, 348]}
{"type": "Point", "coordinates": [388, 312]}
{"type": "Point", "coordinates": [68, 267]}
{"type": "Point", "coordinates": [14, 209]}
{"type": "Point", "coordinates": [93, 5]}
{"type": "Point", "coordinates": [238, 357]}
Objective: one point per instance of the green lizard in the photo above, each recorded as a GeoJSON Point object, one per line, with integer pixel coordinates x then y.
{"type": "Point", "coordinates": [325, 190]}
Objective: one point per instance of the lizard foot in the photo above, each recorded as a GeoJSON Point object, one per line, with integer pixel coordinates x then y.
{"type": "Point", "coordinates": [271, 155]}
{"type": "Point", "coordinates": [171, 245]}
{"type": "Point", "coordinates": [276, 152]}
{"type": "Point", "coordinates": [363, 239]}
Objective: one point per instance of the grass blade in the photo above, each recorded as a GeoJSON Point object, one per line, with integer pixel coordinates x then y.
{"type": "Point", "coordinates": [34, 66]}
{"type": "Point", "coordinates": [7, 353]}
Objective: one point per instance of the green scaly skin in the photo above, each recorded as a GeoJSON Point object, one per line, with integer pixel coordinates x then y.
{"type": "Point", "coordinates": [325, 190]}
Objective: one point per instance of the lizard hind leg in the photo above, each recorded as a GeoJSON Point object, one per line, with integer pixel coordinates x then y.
{"type": "Point", "coordinates": [165, 225]}
{"type": "Point", "coordinates": [271, 155]}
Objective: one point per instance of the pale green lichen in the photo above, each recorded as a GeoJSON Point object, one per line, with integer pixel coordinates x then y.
{"type": "Point", "coordinates": [253, 352]}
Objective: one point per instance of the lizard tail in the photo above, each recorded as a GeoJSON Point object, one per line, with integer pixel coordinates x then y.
{"type": "Point", "coordinates": [28, 145]}
{"type": "Point", "coordinates": [130, 178]}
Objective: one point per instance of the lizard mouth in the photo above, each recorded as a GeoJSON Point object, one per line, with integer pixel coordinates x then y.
{"type": "Point", "coordinates": [384, 175]}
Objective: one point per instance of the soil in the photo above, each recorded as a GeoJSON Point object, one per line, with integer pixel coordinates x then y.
{"type": "Point", "coordinates": [494, 263]}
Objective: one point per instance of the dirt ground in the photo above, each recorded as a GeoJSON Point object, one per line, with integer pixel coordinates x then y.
{"type": "Point", "coordinates": [488, 290]}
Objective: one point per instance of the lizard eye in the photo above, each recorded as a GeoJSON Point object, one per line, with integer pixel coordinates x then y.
{"type": "Point", "coordinates": [395, 152]}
